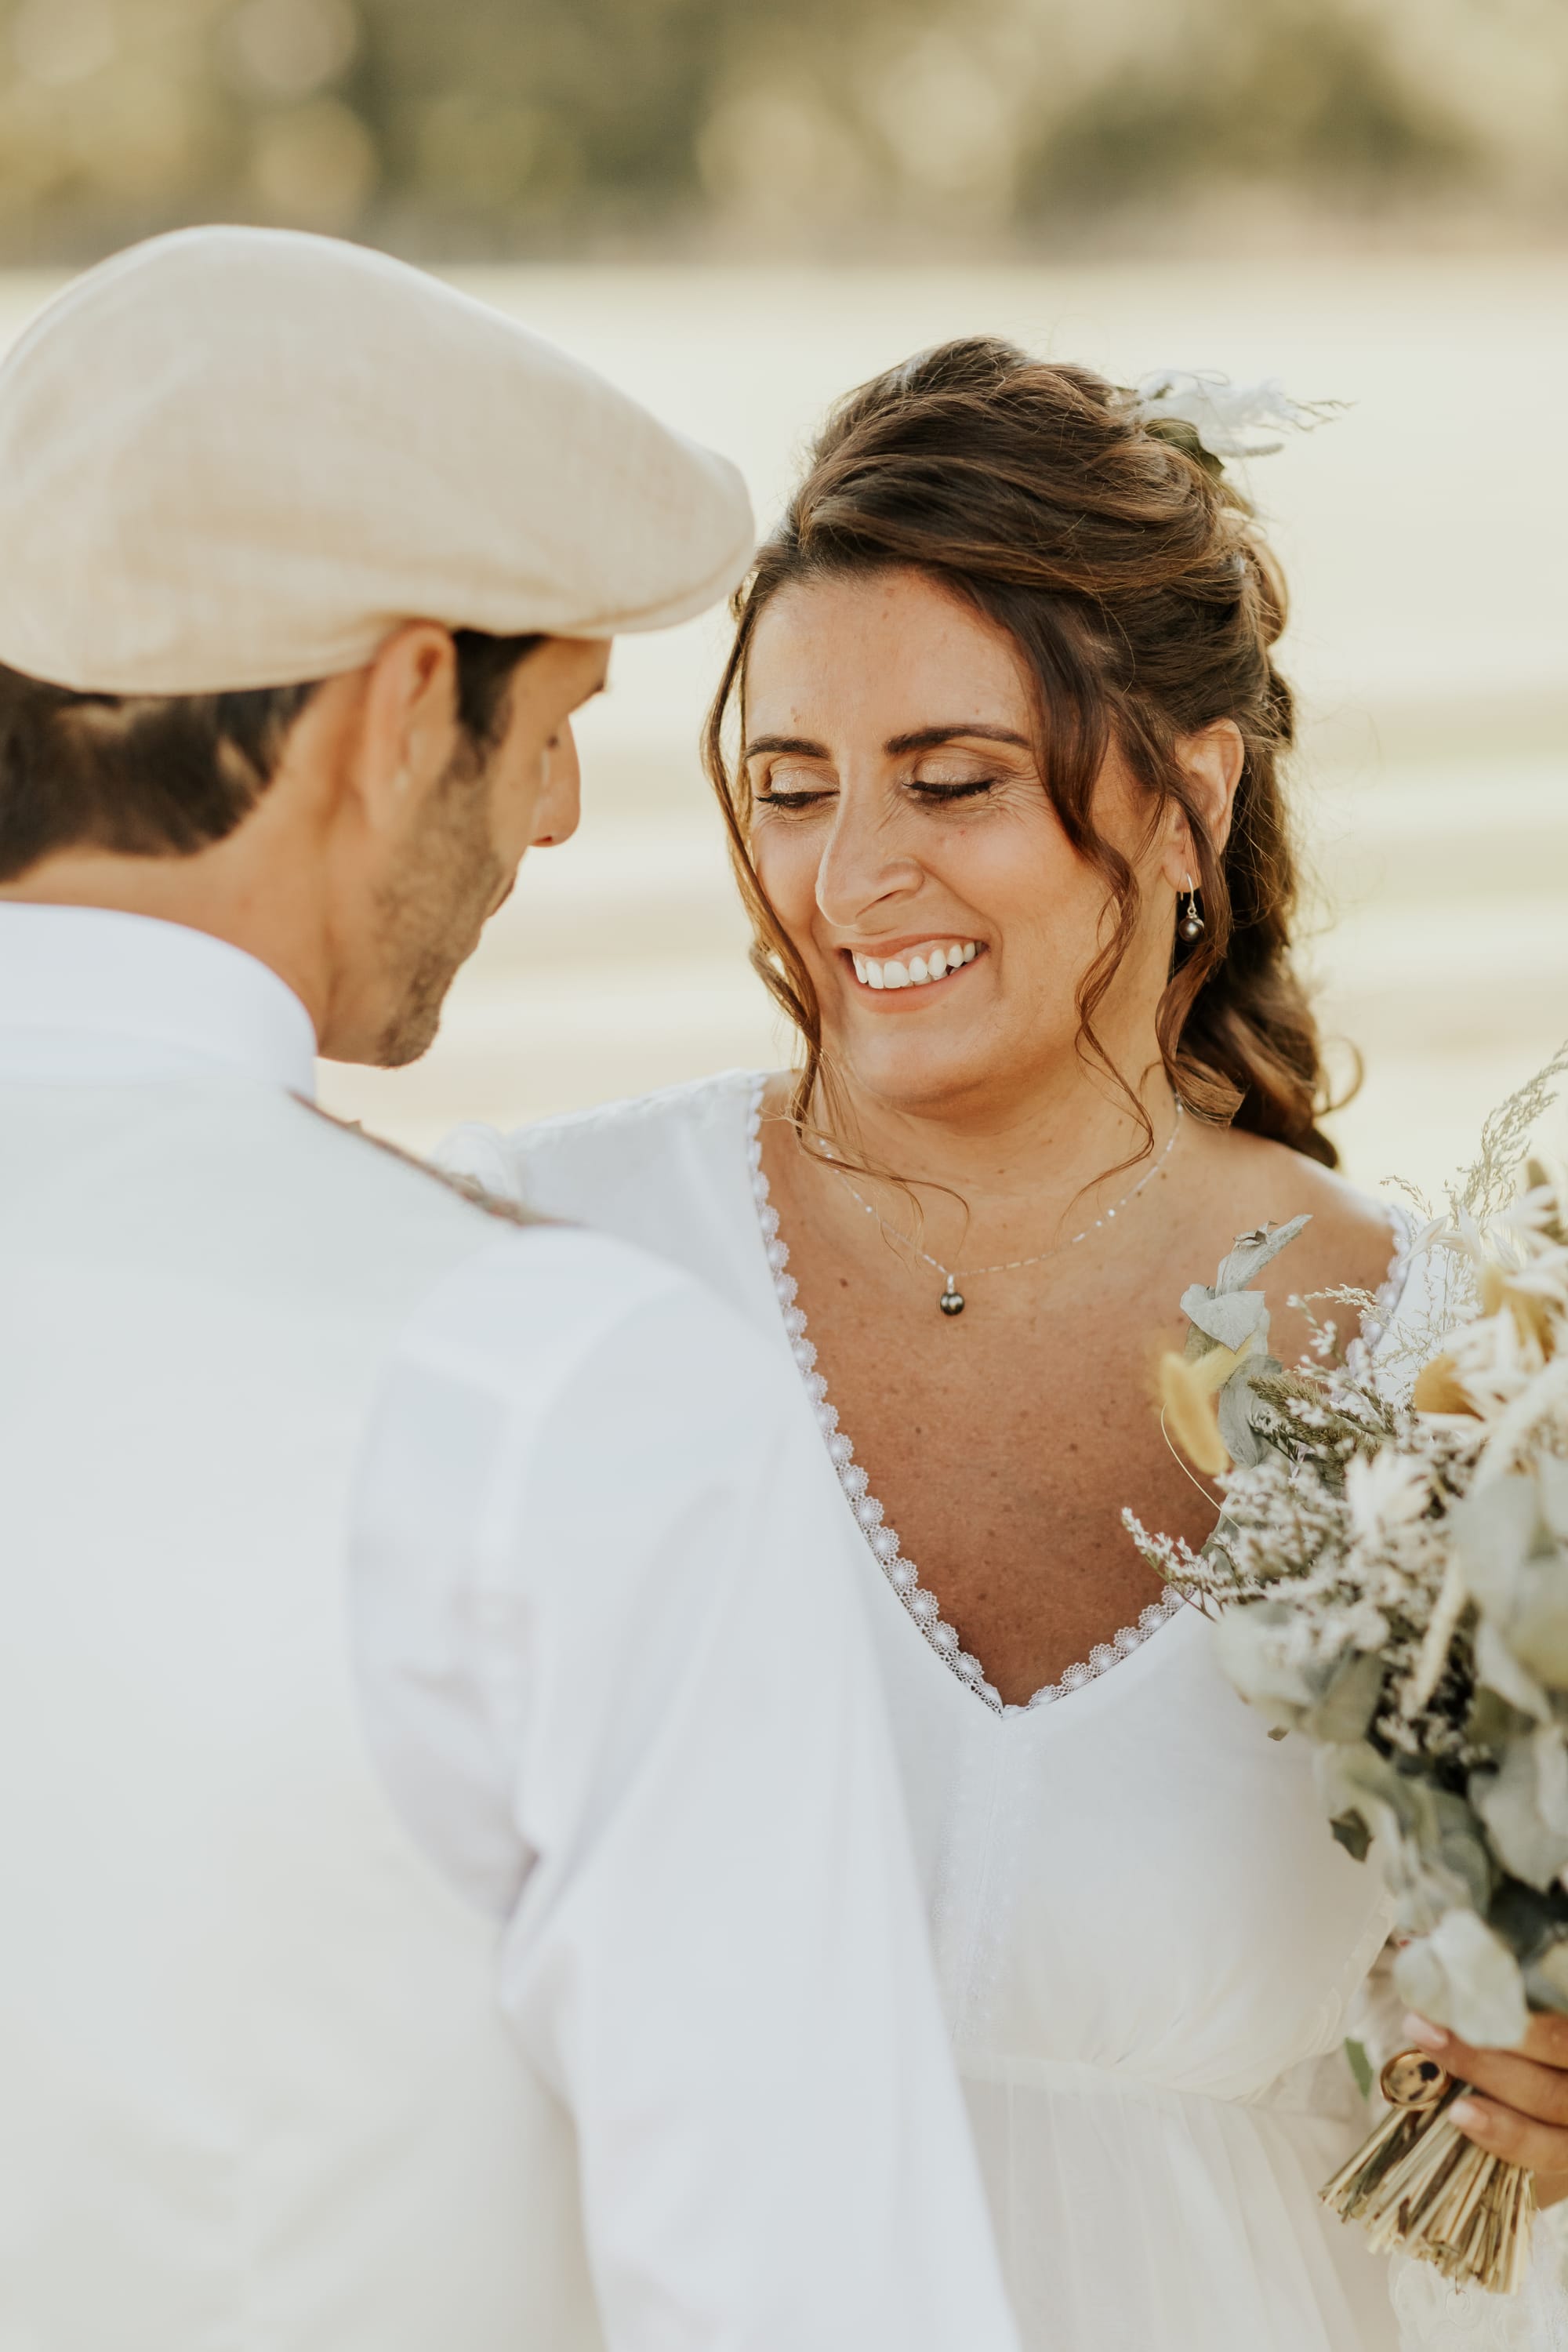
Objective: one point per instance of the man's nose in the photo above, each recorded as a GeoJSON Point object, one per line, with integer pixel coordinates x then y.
{"type": "Point", "coordinates": [561, 804]}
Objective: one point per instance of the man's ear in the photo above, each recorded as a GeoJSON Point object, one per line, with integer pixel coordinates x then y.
{"type": "Point", "coordinates": [1211, 762]}
{"type": "Point", "coordinates": [408, 722]}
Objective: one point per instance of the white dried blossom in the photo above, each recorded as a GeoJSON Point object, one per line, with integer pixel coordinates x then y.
{"type": "Point", "coordinates": [1390, 1571]}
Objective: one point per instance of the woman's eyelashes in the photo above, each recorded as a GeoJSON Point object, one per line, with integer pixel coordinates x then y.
{"type": "Point", "coordinates": [931, 792]}
{"type": "Point", "coordinates": [788, 798]}
{"type": "Point", "coordinates": [928, 789]}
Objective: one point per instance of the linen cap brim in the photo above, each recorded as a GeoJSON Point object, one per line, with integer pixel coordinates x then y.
{"type": "Point", "coordinates": [237, 458]}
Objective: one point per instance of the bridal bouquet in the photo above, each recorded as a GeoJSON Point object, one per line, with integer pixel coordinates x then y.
{"type": "Point", "coordinates": [1389, 1576]}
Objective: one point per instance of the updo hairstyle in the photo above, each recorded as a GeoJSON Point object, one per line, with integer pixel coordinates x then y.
{"type": "Point", "coordinates": [1127, 570]}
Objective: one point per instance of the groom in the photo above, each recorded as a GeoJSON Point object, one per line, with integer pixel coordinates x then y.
{"type": "Point", "coordinates": [454, 1891]}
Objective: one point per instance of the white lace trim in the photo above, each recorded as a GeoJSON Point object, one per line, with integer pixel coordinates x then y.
{"type": "Point", "coordinates": [871, 1518]}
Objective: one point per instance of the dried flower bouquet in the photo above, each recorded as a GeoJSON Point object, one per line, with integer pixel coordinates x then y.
{"type": "Point", "coordinates": [1389, 1578]}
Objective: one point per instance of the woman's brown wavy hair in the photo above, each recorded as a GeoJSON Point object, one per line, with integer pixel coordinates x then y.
{"type": "Point", "coordinates": [1127, 570]}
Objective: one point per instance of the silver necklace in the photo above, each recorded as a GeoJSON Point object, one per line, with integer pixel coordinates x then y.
{"type": "Point", "coordinates": [951, 1298]}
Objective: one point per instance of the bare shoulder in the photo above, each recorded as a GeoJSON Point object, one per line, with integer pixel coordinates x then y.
{"type": "Point", "coordinates": [1351, 1240]}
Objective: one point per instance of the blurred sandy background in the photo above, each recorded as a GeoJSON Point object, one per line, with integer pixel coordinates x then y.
{"type": "Point", "coordinates": [1426, 534]}
{"type": "Point", "coordinates": [739, 208]}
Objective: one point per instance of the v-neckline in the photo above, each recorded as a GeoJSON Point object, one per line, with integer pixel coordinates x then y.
{"type": "Point", "coordinates": [920, 1604]}
{"type": "Point", "coordinates": [882, 1539]}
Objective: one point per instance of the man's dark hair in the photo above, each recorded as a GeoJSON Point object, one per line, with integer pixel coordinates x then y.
{"type": "Point", "coordinates": [165, 775]}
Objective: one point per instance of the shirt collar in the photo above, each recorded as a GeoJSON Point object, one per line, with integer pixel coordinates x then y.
{"type": "Point", "coordinates": [93, 996]}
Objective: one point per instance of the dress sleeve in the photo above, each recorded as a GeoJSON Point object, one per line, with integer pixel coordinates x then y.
{"type": "Point", "coordinates": [620, 1696]}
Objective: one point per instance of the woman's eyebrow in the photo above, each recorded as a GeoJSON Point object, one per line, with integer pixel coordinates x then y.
{"type": "Point", "coordinates": [807, 751]}
{"type": "Point", "coordinates": [927, 739]}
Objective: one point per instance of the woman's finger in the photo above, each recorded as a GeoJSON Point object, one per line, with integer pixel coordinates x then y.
{"type": "Point", "coordinates": [1537, 2091]}
{"type": "Point", "coordinates": [1503, 2131]}
{"type": "Point", "coordinates": [1520, 2106]}
{"type": "Point", "coordinates": [1545, 2039]}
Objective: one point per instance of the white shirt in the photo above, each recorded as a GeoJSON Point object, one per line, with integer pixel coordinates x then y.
{"type": "Point", "coordinates": [627, 1711]}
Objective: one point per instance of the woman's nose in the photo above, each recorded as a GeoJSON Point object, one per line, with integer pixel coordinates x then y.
{"type": "Point", "coordinates": [863, 863]}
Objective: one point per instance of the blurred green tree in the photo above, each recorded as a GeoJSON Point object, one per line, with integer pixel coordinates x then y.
{"type": "Point", "coordinates": [493, 127]}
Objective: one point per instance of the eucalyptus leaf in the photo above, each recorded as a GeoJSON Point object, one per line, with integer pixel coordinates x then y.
{"type": "Point", "coordinates": [1538, 1632]}
{"type": "Point", "coordinates": [1252, 1252]}
{"type": "Point", "coordinates": [1246, 1420]}
{"type": "Point", "coordinates": [1251, 1646]}
{"type": "Point", "coordinates": [1494, 1529]}
{"type": "Point", "coordinates": [1345, 1712]}
{"type": "Point", "coordinates": [1350, 1831]}
{"type": "Point", "coordinates": [1522, 1804]}
{"type": "Point", "coordinates": [1552, 1776]}
{"type": "Point", "coordinates": [1464, 1976]}
{"type": "Point", "coordinates": [1433, 1857]}
{"type": "Point", "coordinates": [1355, 1778]}
{"type": "Point", "coordinates": [1453, 1853]}
{"type": "Point", "coordinates": [1492, 1723]}
{"type": "Point", "coordinates": [1498, 1671]}
{"type": "Point", "coordinates": [1516, 1569]}
{"type": "Point", "coordinates": [1232, 1319]}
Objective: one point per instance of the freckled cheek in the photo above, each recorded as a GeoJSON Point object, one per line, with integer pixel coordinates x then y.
{"type": "Point", "coordinates": [786, 866]}
{"type": "Point", "coordinates": [1039, 906]}
{"type": "Point", "coordinates": [988, 870]}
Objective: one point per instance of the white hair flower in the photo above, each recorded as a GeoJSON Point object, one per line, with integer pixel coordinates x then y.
{"type": "Point", "coordinates": [1227, 417]}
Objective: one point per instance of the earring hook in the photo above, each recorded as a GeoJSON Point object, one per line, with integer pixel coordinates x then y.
{"type": "Point", "coordinates": [1191, 925]}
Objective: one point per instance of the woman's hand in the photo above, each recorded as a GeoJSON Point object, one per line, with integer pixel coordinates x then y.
{"type": "Point", "coordinates": [1521, 2112]}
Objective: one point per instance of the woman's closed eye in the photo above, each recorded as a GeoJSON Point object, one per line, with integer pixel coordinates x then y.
{"type": "Point", "coordinates": [790, 784]}
{"type": "Point", "coordinates": [790, 797]}
{"type": "Point", "coordinates": [934, 790]}
{"type": "Point", "coordinates": [793, 790]}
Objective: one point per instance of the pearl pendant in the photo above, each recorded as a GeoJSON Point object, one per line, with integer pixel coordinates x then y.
{"type": "Point", "coordinates": [1191, 926]}
{"type": "Point", "coordinates": [952, 1299]}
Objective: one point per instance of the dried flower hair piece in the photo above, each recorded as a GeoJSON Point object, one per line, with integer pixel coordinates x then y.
{"type": "Point", "coordinates": [1214, 419]}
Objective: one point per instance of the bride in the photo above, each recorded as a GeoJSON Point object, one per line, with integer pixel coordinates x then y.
{"type": "Point", "coordinates": [998, 750]}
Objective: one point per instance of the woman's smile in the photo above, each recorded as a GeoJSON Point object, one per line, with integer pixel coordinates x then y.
{"type": "Point", "coordinates": [901, 966]}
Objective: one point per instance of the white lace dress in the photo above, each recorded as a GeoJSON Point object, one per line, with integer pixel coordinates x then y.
{"type": "Point", "coordinates": [1149, 1948]}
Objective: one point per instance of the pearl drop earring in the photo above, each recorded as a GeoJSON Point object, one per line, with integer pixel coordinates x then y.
{"type": "Point", "coordinates": [1191, 925]}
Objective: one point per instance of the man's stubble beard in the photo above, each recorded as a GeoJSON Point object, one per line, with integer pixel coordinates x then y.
{"type": "Point", "coordinates": [431, 915]}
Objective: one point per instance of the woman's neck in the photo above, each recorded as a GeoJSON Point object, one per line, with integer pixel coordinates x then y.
{"type": "Point", "coordinates": [1019, 1170]}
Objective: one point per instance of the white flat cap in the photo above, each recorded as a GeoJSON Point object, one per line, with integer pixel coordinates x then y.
{"type": "Point", "coordinates": [236, 458]}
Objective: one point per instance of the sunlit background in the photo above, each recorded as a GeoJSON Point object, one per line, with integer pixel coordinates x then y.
{"type": "Point", "coordinates": [739, 207]}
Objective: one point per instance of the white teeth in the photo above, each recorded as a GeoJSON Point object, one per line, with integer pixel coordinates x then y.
{"type": "Point", "coordinates": [920, 970]}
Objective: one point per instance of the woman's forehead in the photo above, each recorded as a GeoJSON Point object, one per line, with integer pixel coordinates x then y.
{"type": "Point", "coordinates": [890, 653]}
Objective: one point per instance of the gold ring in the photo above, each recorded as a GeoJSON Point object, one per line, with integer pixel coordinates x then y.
{"type": "Point", "coordinates": [1411, 2079]}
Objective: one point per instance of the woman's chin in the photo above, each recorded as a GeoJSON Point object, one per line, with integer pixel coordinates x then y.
{"type": "Point", "coordinates": [915, 1072]}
